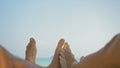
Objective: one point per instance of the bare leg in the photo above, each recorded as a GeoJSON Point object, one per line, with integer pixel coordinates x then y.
{"type": "Point", "coordinates": [107, 57]}
{"type": "Point", "coordinates": [31, 51]}
{"type": "Point", "coordinates": [9, 61]}
{"type": "Point", "coordinates": [67, 58]}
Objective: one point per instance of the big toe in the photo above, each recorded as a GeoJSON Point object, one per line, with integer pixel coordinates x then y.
{"type": "Point", "coordinates": [59, 46]}
{"type": "Point", "coordinates": [32, 40]}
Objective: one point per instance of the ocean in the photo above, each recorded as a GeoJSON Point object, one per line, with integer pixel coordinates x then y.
{"type": "Point", "coordinates": [46, 61]}
{"type": "Point", "coordinates": [43, 61]}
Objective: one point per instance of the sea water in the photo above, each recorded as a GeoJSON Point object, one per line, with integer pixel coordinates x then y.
{"type": "Point", "coordinates": [46, 61]}
{"type": "Point", "coordinates": [43, 61]}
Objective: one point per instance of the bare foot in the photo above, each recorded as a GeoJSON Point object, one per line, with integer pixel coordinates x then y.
{"type": "Point", "coordinates": [67, 59]}
{"type": "Point", "coordinates": [55, 62]}
{"type": "Point", "coordinates": [31, 51]}
{"type": "Point", "coordinates": [82, 58]}
{"type": "Point", "coordinates": [9, 61]}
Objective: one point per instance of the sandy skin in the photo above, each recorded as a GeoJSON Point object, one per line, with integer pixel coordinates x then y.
{"type": "Point", "coordinates": [31, 51]}
{"type": "Point", "coordinates": [67, 59]}
{"type": "Point", "coordinates": [107, 57]}
{"type": "Point", "coordinates": [7, 60]}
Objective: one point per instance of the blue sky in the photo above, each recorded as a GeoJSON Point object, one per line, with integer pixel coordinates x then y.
{"type": "Point", "coordinates": [86, 24]}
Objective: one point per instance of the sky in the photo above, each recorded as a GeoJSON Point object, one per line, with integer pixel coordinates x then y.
{"type": "Point", "coordinates": [87, 25]}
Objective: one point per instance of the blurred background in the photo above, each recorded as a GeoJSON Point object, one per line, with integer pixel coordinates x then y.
{"type": "Point", "coordinates": [86, 24]}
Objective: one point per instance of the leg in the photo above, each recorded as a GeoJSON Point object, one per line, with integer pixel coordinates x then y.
{"type": "Point", "coordinates": [7, 60]}
{"type": "Point", "coordinates": [107, 57]}
{"type": "Point", "coordinates": [31, 51]}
